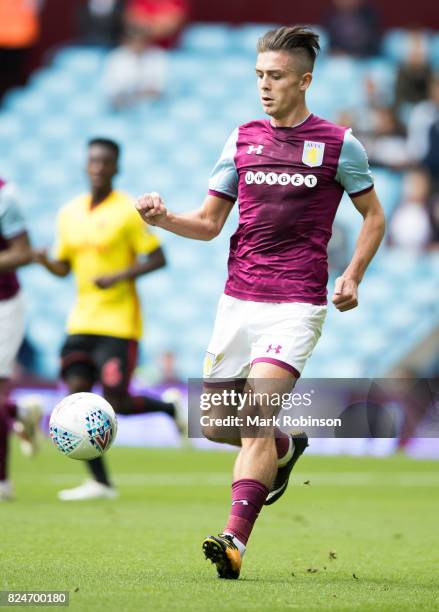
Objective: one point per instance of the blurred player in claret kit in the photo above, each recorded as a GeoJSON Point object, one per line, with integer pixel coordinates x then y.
{"type": "Point", "coordinates": [15, 251]}
{"type": "Point", "coordinates": [289, 174]}
{"type": "Point", "coordinates": [102, 241]}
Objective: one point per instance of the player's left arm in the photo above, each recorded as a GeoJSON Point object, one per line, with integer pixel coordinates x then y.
{"type": "Point", "coordinates": [144, 265]}
{"type": "Point", "coordinates": [372, 232]}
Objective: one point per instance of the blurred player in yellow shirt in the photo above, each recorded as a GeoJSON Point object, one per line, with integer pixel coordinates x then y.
{"type": "Point", "coordinates": [103, 242]}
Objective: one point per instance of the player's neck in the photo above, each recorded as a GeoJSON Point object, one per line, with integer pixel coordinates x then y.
{"type": "Point", "coordinates": [295, 117]}
{"type": "Point", "coordinates": [99, 195]}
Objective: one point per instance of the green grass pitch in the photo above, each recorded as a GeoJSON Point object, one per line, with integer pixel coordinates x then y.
{"type": "Point", "coordinates": [362, 534]}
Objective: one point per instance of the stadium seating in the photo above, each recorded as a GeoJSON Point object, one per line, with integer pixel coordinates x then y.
{"type": "Point", "coordinates": [170, 145]}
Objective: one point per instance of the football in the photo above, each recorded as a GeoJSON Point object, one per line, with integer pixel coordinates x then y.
{"type": "Point", "coordinates": [83, 426]}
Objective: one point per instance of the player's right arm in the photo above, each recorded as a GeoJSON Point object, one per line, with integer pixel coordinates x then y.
{"type": "Point", "coordinates": [202, 224]}
{"type": "Point", "coordinates": [18, 250]}
{"type": "Point", "coordinates": [206, 222]}
{"type": "Point", "coordinates": [17, 253]}
{"type": "Point", "coordinates": [55, 266]}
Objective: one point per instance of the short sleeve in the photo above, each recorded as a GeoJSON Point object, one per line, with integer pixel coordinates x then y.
{"type": "Point", "coordinates": [353, 171]}
{"type": "Point", "coordinates": [223, 181]}
{"type": "Point", "coordinates": [61, 250]}
{"type": "Point", "coordinates": [11, 218]}
{"type": "Point", "coordinates": [142, 239]}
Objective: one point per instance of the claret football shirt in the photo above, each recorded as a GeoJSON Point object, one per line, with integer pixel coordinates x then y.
{"type": "Point", "coordinates": [11, 226]}
{"type": "Point", "coordinates": [289, 183]}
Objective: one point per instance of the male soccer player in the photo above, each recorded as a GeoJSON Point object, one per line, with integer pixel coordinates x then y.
{"type": "Point", "coordinates": [289, 174]}
{"type": "Point", "coordinates": [104, 243]}
{"type": "Point", "coordinates": [15, 251]}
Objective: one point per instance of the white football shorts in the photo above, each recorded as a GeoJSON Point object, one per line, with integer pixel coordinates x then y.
{"type": "Point", "coordinates": [11, 332]}
{"type": "Point", "coordinates": [247, 332]}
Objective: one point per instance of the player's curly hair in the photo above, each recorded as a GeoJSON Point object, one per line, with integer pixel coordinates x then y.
{"type": "Point", "coordinates": [298, 40]}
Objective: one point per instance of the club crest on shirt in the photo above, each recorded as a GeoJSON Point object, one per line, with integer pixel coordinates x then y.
{"type": "Point", "coordinates": [313, 153]}
{"type": "Point", "coordinates": [208, 364]}
{"type": "Point", "coordinates": [210, 361]}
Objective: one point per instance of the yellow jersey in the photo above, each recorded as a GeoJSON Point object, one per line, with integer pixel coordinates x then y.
{"type": "Point", "coordinates": [98, 241]}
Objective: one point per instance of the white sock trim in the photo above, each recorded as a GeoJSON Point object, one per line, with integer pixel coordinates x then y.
{"type": "Point", "coordinates": [284, 460]}
{"type": "Point", "coordinates": [239, 545]}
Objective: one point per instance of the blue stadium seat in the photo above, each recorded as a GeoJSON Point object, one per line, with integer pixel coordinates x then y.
{"type": "Point", "coordinates": [323, 100]}
{"type": "Point", "coordinates": [188, 110]}
{"type": "Point", "coordinates": [382, 72]}
{"type": "Point", "coordinates": [345, 71]}
{"type": "Point", "coordinates": [81, 61]}
{"type": "Point", "coordinates": [214, 135]}
{"type": "Point", "coordinates": [239, 70]}
{"type": "Point", "coordinates": [388, 185]}
{"type": "Point", "coordinates": [10, 133]}
{"type": "Point", "coordinates": [213, 90]}
{"type": "Point", "coordinates": [371, 342]}
{"type": "Point", "coordinates": [10, 126]}
{"type": "Point", "coordinates": [397, 263]}
{"type": "Point", "coordinates": [434, 51]}
{"type": "Point", "coordinates": [86, 108]}
{"type": "Point", "coordinates": [395, 44]}
{"type": "Point", "coordinates": [207, 38]}
{"type": "Point", "coordinates": [33, 104]}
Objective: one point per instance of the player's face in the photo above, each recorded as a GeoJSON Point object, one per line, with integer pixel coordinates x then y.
{"type": "Point", "coordinates": [281, 82]}
{"type": "Point", "coordinates": [101, 166]}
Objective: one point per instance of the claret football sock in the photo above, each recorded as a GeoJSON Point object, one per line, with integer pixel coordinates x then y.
{"type": "Point", "coordinates": [11, 410]}
{"type": "Point", "coordinates": [8, 412]}
{"type": "Point", "coordinates": [299, 443]}
{"type": "Point", "coordinates": [248, 497]}
{"type": "Point", "coordinates": [239, 545]}
{"type": "Point", "coordinates": [284, 447]}
{"type": "Point", "coordinates": [3, 445]}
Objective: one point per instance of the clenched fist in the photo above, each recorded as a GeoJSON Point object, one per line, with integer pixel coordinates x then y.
{"type": "Point", "coordinates": [345, 294]}
{"type": "Point", "coordinates": [151, 208]}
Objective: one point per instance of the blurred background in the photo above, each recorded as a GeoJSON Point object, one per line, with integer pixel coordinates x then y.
{"type": "Point", "coordinates": [169, 80]}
